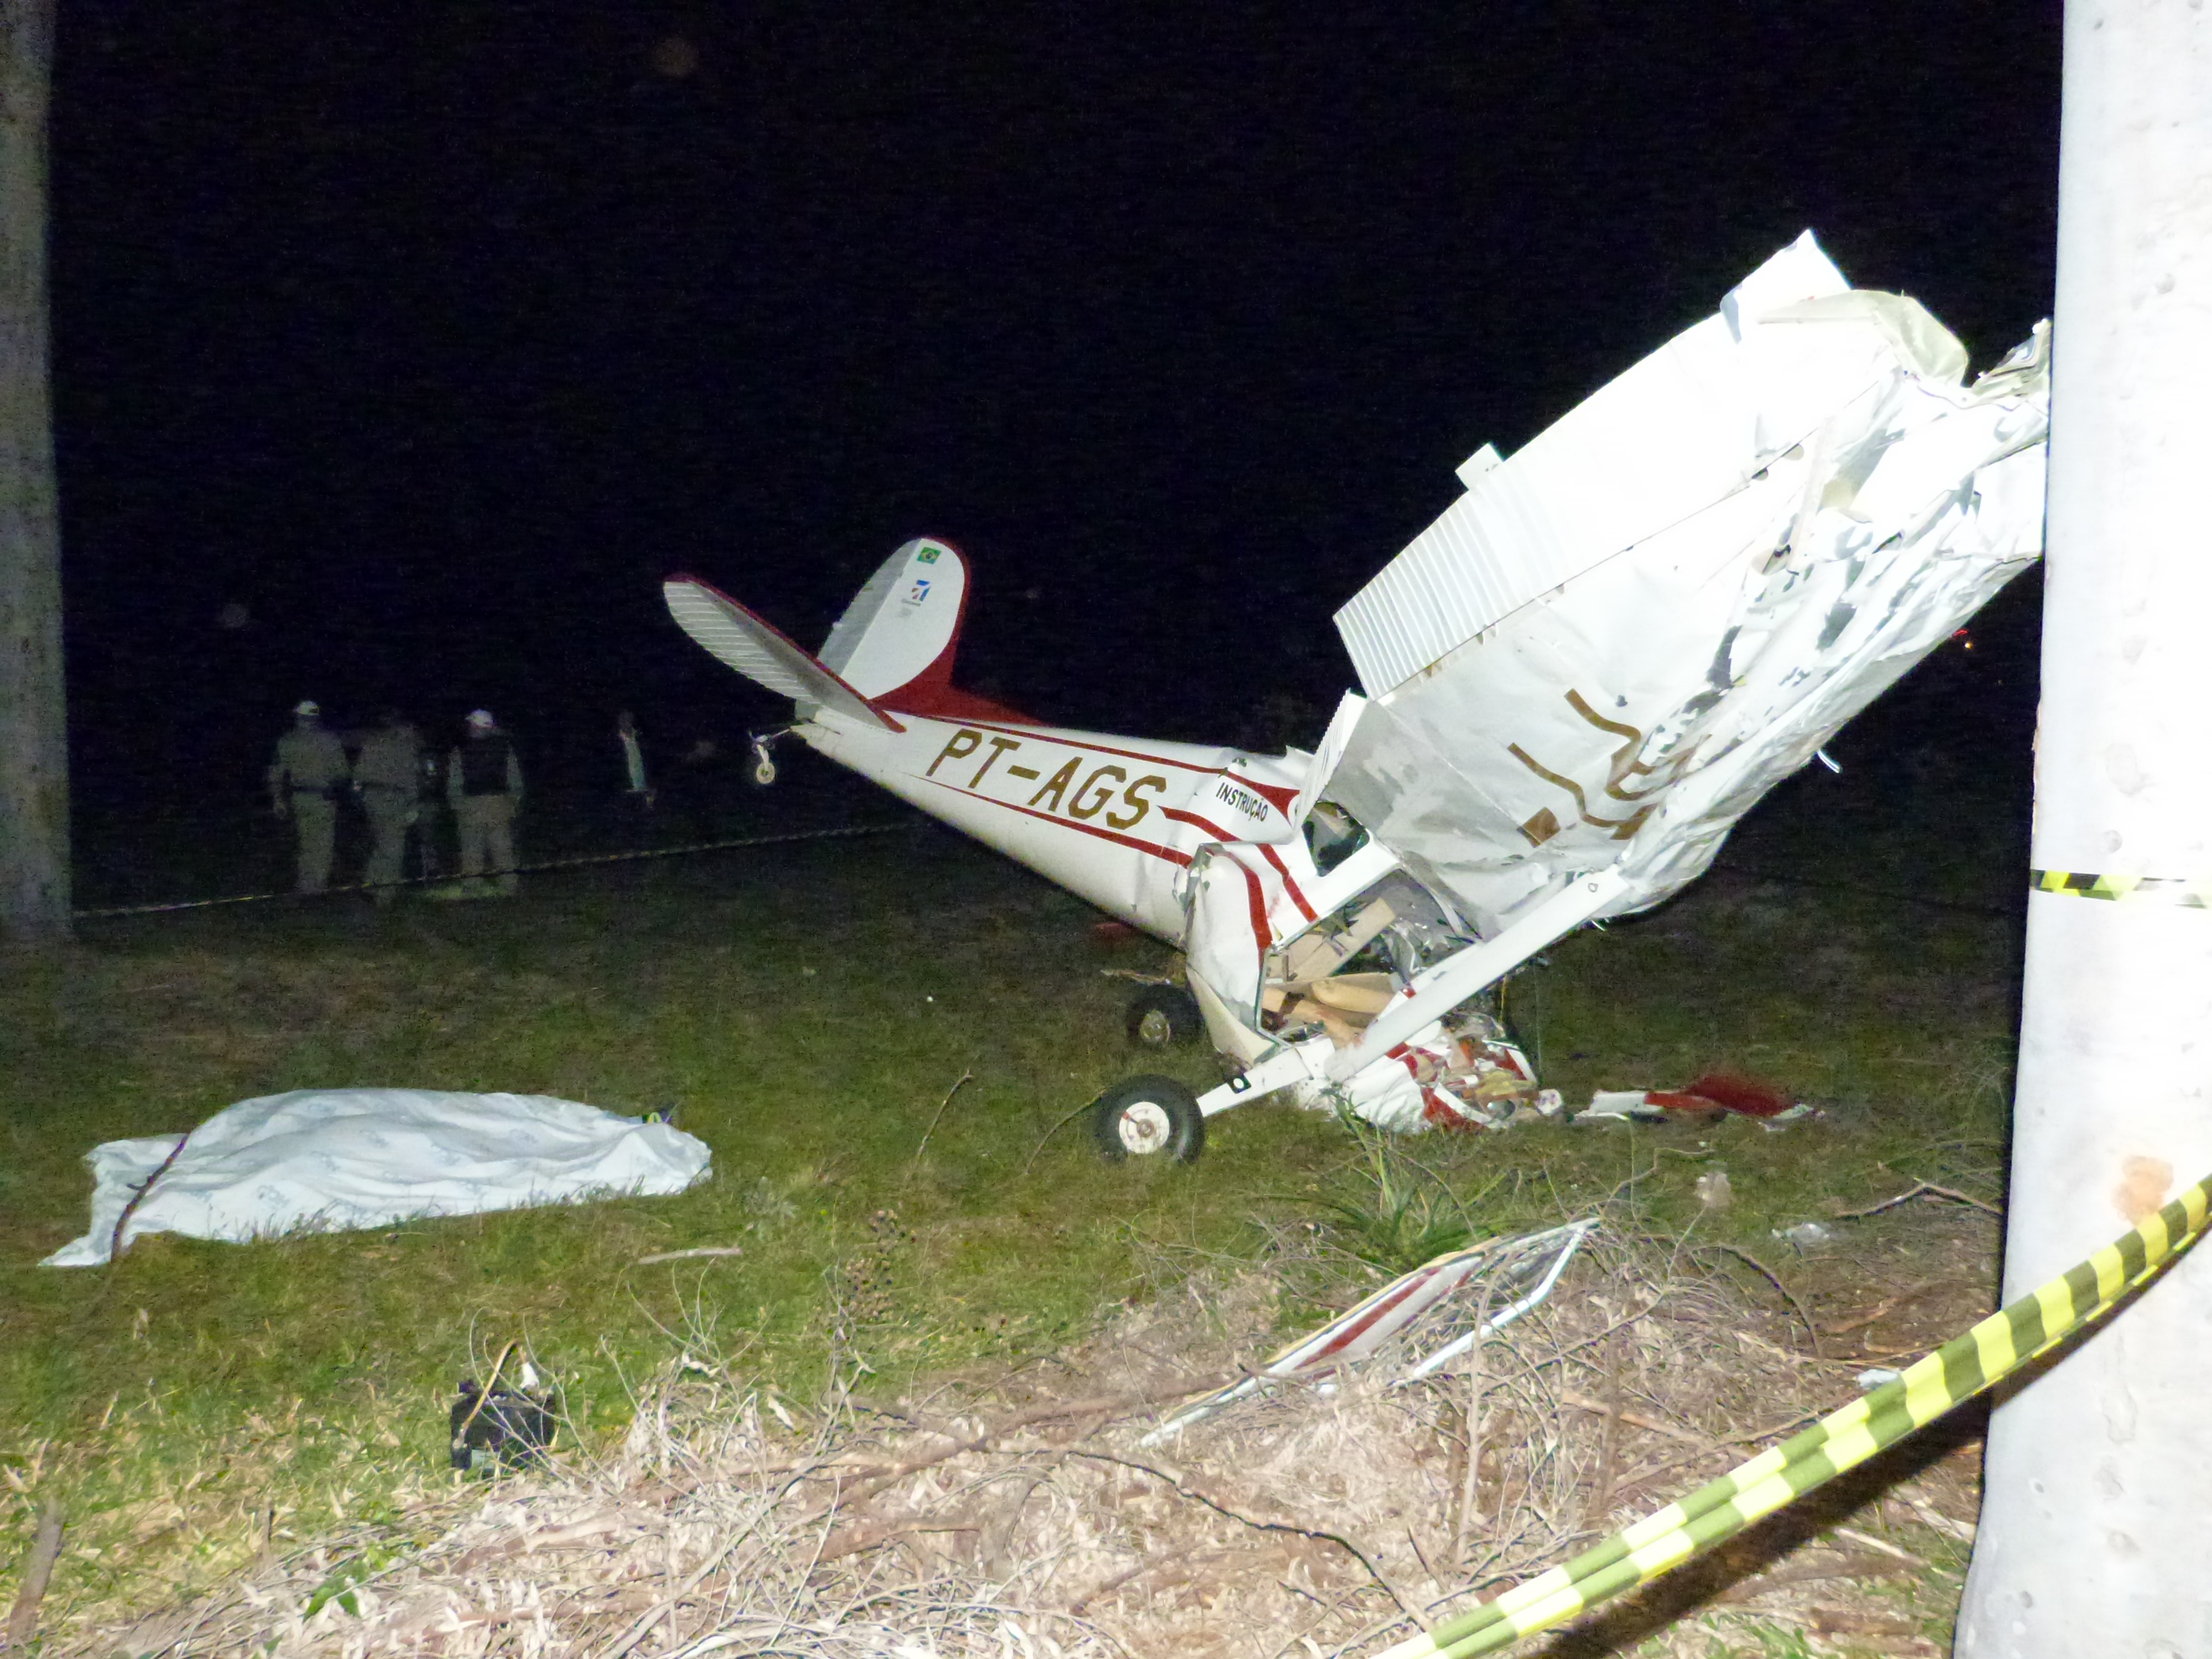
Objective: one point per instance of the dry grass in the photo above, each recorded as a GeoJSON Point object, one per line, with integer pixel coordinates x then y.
{"type": "Point", "coordinates": [1020, 1513]}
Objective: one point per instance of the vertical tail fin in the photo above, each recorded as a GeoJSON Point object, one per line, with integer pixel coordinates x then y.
{"type": "Point", "coordinates": [895, 643]}
{"type": "Point", "coordinates": [902, 627]}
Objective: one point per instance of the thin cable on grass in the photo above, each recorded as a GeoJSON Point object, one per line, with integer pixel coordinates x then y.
{"type": "Point", "coordinates": [629, 856]}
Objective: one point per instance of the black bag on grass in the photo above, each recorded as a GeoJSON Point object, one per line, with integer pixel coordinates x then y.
{"type": "Point", "coordinates": [506, 1426]}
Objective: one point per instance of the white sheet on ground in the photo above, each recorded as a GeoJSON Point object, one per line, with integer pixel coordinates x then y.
{"type": "Point", "coordinates": [334, 1159]}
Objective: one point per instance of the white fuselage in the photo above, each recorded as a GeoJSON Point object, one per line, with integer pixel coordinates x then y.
{"type": "Point", "coordinates": [1116, 820]}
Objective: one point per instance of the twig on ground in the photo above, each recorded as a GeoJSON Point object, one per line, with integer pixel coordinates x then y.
{"type": "Point", "coordinates": [1880, 1546]}
{"type": "Point", "coordinates": [1921, 1189]}
{"type": "Point", "coordinates": [652, 1616]}
{"type": "Point", "coordinates": [1812, 1331]}
{"type": "Point", "coordinates": [1066, 1119]}
{"type": "Point", "coordinates": [700, 1252]}
{"type": "Point", "coordinates": [966, 1076]}
{"type": "Point", "coordinates": [1813, 1572]}
{"type": "Point", "coordinates": [115, 1246]}
{"type": "Point", "coordinates": [1258, 1523]}
{"type": "Point", "coordinates": [1608, 1457]}
{"type": "Point", "coordinates": [46, 1550]}
{"type": "Point", "coordinates": [1582, 1402]}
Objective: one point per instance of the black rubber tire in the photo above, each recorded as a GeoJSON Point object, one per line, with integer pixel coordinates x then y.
{"type": "Point", "coordinates": [1162, 1016]}
{"type": "Point", "coordinates": [1144, 1116]}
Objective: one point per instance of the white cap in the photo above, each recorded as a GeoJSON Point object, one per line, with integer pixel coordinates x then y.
{"type": "Point", "coordinates": [307, 706]}
{"type": "Point", "coordinates": [481, 717]}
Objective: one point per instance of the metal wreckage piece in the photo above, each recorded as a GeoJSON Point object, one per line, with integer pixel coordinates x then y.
{"type": "Point", "coordinates": [1413, 1305]}
{"type": "Point", "coordinates": [1573, 685]}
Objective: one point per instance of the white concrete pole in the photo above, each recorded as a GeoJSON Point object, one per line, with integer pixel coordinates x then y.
{"type": "Point", "coordinates": [2098, 1514]}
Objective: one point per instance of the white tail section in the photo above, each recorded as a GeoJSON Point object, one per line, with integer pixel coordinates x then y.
{"type": "Point", "coordinates": [902, 627]}
{"type": "Point", "coordinates": [755, 649]}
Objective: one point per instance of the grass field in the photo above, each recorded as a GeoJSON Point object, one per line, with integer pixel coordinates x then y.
{"type": "Point", "coordinates": [810, 1008]}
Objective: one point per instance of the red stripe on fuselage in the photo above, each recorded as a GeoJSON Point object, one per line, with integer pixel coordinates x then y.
{"type": "Point", "coordinates": [1290, 882]}
{"type": "Point", "coordinates": [1230, 836]}
{"type": "Point", "coordinates": [1181, 816]}
{"type": "Point", "coordinates": [1256, 895]}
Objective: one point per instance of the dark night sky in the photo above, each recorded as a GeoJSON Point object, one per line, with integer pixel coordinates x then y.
{"type": "Point", "coordinates": [436, 335]}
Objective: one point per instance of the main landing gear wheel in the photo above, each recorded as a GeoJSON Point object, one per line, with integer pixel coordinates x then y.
{"type": "Point", "coordinates": [1161, 1016]}
{"type": "Point", "coordinates": [1146, 1116]}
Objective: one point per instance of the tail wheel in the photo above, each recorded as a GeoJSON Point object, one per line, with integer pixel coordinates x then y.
{"type": "Point", "coordinates": [1147, 1116]}
{"type": "Point", "coordinates": [764, 765]}
{"type": "Point", "coordinates": [1161, 1016]}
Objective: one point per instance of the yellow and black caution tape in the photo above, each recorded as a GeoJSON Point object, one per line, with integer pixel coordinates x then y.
{"type": "Point", "coordinates": [1957, 1371]}
{"type": "Point", "coordinates": [578, 863]}
{"type": "Point", "coordinates": [2192, 892]}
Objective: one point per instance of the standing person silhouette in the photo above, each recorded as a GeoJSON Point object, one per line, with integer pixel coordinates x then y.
{"type": "Point", "coordinates": [388, 774]}
{"type": "Point", "coordinates": [484, 785]}
{"type": "Point", "coordinates": [304, 776]}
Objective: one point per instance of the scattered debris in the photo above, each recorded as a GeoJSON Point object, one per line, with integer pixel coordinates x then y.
{"type": "Point", "coordinates": [1713, 1190]}
{"type": "Point", "coordinates": [499, 1426]}
{"type": "Point", "coordinates": [1714, 1095]}
{"type": "Point", "coordinates": [1400, 1311]}
{"type": "Point", "coordinates": [1806, 1235]}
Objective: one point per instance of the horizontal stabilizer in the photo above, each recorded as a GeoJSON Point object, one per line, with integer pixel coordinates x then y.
{"type": "Point", "coordinates": [752, 646]}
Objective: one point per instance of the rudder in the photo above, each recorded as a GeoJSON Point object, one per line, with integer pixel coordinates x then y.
{"type": "Point", "coordinates": [902, 627]}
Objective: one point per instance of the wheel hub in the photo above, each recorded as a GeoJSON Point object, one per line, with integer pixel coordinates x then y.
{"type": "Point", "coordinates": [1154, 1029]}
{"type": "Point", "coordinates": [1143, 1127]}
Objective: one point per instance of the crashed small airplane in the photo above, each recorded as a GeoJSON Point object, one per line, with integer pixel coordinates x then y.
{"type": "Point", "coordinates": [1574, 684]}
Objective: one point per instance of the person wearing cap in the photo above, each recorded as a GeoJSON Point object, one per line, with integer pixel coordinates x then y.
{"type": "Point", "coordinates": [484, 785]}
{"type": "Point", "coordinates": [304, 781]}
{"type": "Point", "coordinates": [387, 773]}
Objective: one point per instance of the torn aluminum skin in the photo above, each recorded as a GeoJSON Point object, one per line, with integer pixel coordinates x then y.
{"type": "Point", "coordinates": [1605, 652]}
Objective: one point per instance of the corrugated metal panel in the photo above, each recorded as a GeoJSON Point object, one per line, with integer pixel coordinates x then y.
{"type": "Point", "coordinates": [1656, 445]}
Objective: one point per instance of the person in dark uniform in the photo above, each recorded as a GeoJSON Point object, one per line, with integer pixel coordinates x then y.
{"type": "Point", "coordinates": [484, 785]}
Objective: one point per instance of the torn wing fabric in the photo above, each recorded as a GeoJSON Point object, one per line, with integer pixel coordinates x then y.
{"type": "Point", "coordinates": [334, 1159]}
{"type": "Point", "coordinates": [1620, 638]}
